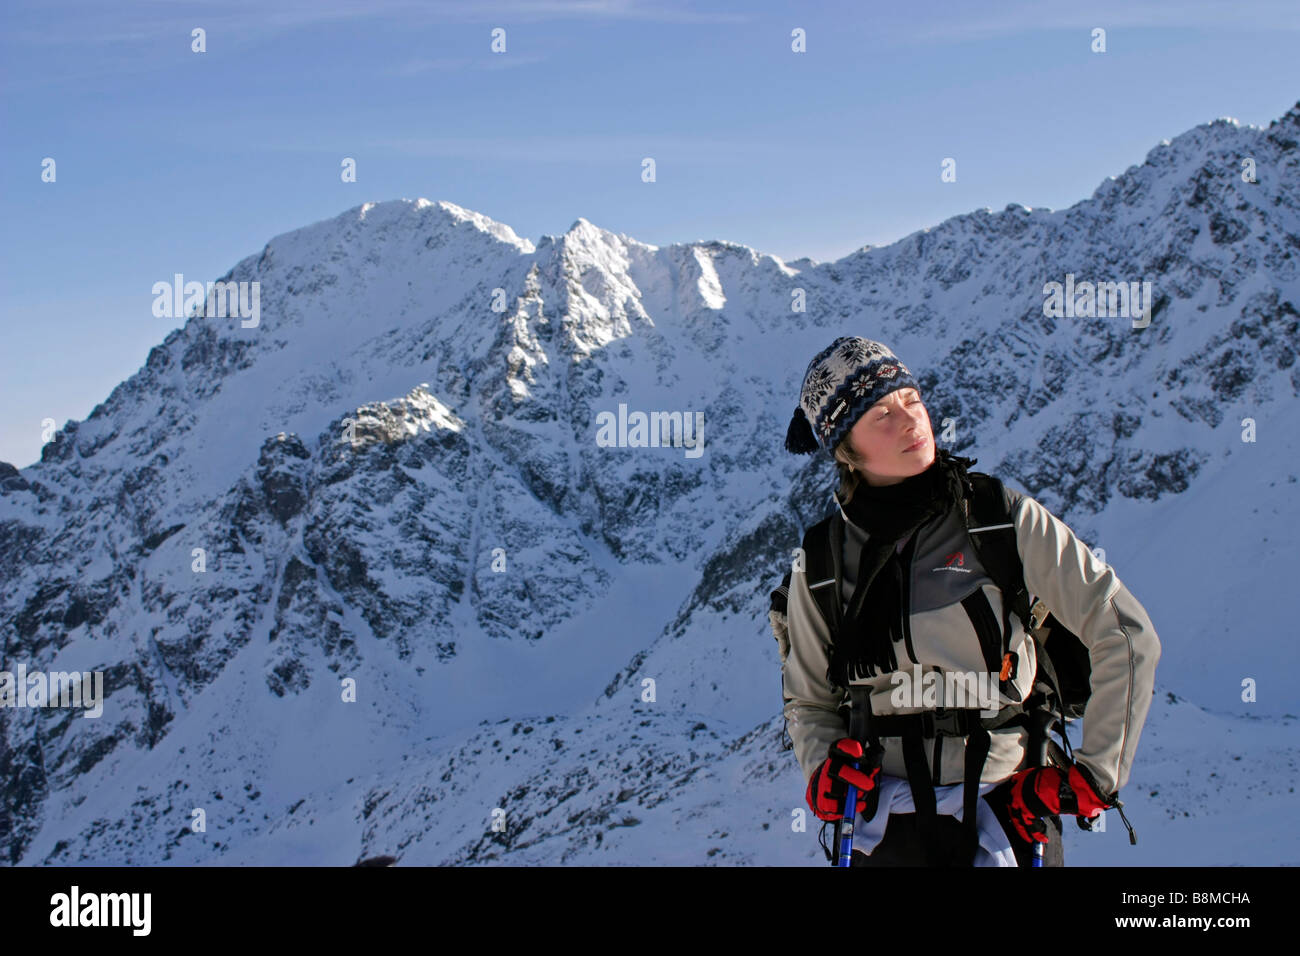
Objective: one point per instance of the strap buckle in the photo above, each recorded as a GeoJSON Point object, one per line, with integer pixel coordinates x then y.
{"type": "Point", "coordinates": [942, 722]}
{"type": "Point", "coordinates": [1038, 614]}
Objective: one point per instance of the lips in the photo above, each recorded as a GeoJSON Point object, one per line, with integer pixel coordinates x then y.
{"type": "Point", "coordinates": [917, 447]}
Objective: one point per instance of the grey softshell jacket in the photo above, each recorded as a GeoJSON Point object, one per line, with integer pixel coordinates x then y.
{"type": "Point", "coordinates": [1083, 592]}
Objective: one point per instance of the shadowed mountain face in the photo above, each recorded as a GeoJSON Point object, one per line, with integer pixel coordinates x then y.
{"type": "Point", "coordinates": [361, 579]}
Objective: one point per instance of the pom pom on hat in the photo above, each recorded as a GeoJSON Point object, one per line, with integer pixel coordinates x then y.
{"type": "Point", "coordinates": [799, 438]}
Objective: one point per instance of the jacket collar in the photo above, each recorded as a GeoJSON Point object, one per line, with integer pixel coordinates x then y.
{"type": "Point", "coordinates": [862, 532]}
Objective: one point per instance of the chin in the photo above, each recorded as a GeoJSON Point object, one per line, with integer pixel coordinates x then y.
{"type": "Point", "coordinates": [921, 464]}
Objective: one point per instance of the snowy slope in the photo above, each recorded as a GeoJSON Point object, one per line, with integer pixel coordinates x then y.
{"type": "Point", "coordinates": [420, 401]}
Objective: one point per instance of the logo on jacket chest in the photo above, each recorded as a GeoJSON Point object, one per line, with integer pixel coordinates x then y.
{"type": "Point", "coordinates": [954, 562]}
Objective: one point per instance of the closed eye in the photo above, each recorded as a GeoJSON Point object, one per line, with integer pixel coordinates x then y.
{"type": "Point", "coordinates": [885, 410]}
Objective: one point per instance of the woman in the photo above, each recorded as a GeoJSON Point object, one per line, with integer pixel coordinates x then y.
{"type": "Point", "coordinates": [910, 575]}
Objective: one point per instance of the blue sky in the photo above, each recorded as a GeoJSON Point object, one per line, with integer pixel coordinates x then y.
{"type": "Point", "coordinates": [172, 161]}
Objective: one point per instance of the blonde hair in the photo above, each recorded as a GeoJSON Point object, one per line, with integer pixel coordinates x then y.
{"type": "Point", "coordinates": [847, 464]}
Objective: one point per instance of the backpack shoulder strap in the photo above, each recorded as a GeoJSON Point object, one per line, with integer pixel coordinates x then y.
{"type": "Point", "coordinates": [823, 567]}
{"type": "Point", "coordinates": [993, 535]}
{"type": "Point", "coordinates": [823, 545]}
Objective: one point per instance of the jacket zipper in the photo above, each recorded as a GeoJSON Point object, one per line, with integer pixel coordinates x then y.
{"type": "Point", "coordinates": [905, 607]}
{"type": "Point", "coordinates": [905, 613]}
{"type": "Point", "coordinates": [936, 775]}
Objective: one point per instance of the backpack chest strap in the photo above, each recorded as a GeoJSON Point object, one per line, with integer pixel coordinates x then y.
{"type": "Point", "coordinates": [941, 722]}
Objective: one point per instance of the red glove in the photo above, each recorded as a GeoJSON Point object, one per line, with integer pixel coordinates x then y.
{"type": "Point", "coordinates": [828, 786]}
{"type": "Point", "coordinates": [1047, 791]}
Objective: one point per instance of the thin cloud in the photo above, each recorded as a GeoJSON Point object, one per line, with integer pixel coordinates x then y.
{"type": "Point", "coordinates": [98, 24]}
{"type": "Point", "coordinates": [98, 39]}
{"type": "Point", "coordinates": [963, 22]}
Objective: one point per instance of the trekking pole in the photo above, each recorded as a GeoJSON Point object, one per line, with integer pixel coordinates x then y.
{"type": "Point", "coordinates": [845, 830]}
{"type": "Point", "coordinates": [1045, 722]}
{"type": "Point", "coordinates": [859, 709]}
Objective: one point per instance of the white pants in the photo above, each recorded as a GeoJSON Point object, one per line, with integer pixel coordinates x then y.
{"type": "Point", "coordinates": [896, 797]}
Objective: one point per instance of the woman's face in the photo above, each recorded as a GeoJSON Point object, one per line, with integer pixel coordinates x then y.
{"type": "Point", "coordinates": [881, 438]}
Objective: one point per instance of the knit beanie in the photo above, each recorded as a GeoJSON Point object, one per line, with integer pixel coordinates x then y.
{"type": "Point", "coordinates": [842, 381]}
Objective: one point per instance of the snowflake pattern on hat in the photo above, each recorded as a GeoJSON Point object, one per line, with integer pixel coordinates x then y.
{"type": "Point", "coordinates": [859, 351]}
{"type": "Point", "coordinates": [819, 383]}
{"type": "Point", "coordinates": [853, 351]}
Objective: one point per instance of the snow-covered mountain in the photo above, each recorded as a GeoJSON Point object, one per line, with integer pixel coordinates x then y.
{"type": "Point", "coordinates": [393, 482]}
